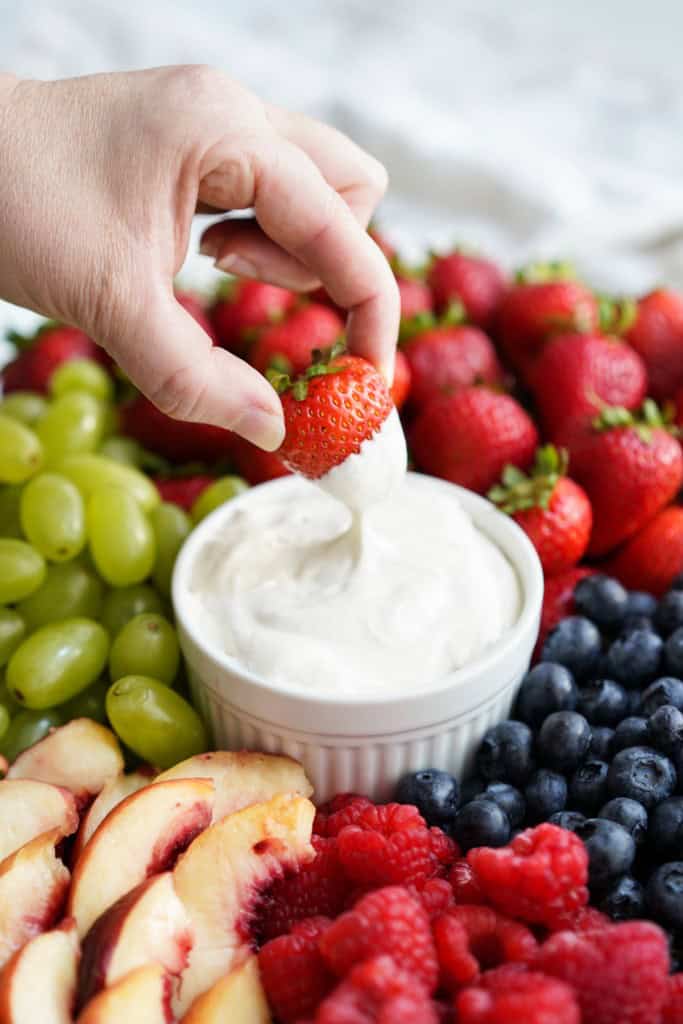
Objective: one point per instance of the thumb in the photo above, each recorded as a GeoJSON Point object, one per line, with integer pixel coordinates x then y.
{"type": "Point", "coordinates": [173, 362]}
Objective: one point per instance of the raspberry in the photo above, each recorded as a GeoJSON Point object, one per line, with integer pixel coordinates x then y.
{"type": "Point", "coordinates": [620, 974]}
{"type": "Point", "coordinates": [318, 888]}
{"type": "Point", "coordinates": [436, 896]}
{"type": "Point", "coordinates": [589, 919]}
{"type": "Point", "coordinates": [391, 845]}
{"type": "Point", "coordinates": [673, 1007]}
{"type": "Point", "coordinates": [540, 877]}
{"type": "Point", "coordinates": [464, 884]}
{"type": "Point", "coordinates": [509, 996]}
{"type": "Point", "coordinates": [294, 975]}
{"type": "Point", "coordinates": [377, 992]}
{"type": "Point", "coordinates": [342, 810]}
{"type": "Point", "coordinates": [385, 921]}
{"type": "Point", "coordinates": [471, 939]}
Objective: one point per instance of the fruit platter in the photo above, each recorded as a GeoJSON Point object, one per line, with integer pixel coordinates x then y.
{"type": "Point", "coordinates": [158, 865]}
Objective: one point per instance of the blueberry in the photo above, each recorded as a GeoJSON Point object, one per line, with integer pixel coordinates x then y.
{"type": "Point", "coordinates": [602, 738]}
{"type": "Point", "coordinates": [666, 729]}
{"type": "Point", "coordinates": [434, 793]}
{"type": "Point", "coordinates": [633, 658]}
{"type": "Point", "coordinates": [564, 740]}
{"type": "Point", "coordinates": [567, 819]}
{"type": "Point", "coordinates": [508, 798]}
{"type": "Point", "coordinates": [546, 688]}
{"type": "Point", "coordinates": [639, 602]}
{"type": "Point", "coordinates": [632, 622]}
{"type": "Point", "coordinates": [629, 814]}
{"type": "Point", "coordinates": [603, 702]}
{"type": "Point", "coordinates": [588, 786]}
{"type": "Point", "coordinates": [677, 582]}
{"type": "Point", "coordinates": [575, 643]}
{"type": "Point", "coordinates": [601, 599]}
{"type": "Point", "coordinates": [470, 789]}
{"type": "Point", "coordinates": [666, 827]}
{"type": "Point", "coordinates": [664, 895]}
{"type": "Point", "coordinates": [642, 774]}
{"type": "Point", "coordinates": [624, 900]}
{"type": "Point", "coordinates": [611, 850]}
{"type": "Point", "coordinates": [481, 823]}
{"type": "Point", "coordinates": [666, 690]}
{"type": "Point", "coordinates": [545, 794]}
{"type": "Point", "coordinates": [634, 702]}
{"type": "Point", "coordinates": [505, 753]}
{"type": "Point", "coordinates": [673, 653]}
{"type": "Point", "coordinates": [669, 616]}
{"type": "Point", "coordinates": [631, 732]}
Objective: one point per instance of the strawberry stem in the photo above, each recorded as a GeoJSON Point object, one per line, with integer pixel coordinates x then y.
{"type": "Point", "coordinates": [517, 491]}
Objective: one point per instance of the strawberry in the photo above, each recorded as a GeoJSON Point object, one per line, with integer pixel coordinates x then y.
{"type": "Point", "coordinates": [245, 307]}
{"type": "Point", "coordinates": [400, 389]}
{"type": "Point", "coordinates": [630, 466]}
{"type": "Point", "coordinates": [657, 335]}
{"type": "Point", "coordinates": [553, 511]}
{"type": "Point", "coordinates": [679, 408]}
{"type": "Point", "coordinates": [533, 310]}
{"type": "Point", "coordinates": [469, 437]}
{"type": "Point", "coordinates": [177, 440]}
{"type": "Point", "coordinates": [651, 559]}
{"type": "Point", "coordinates": [318, 435]}
{"type": "Point", "coordinates": [194, 306]}
{"type": "Point", "coordinates": [288, 347]}
{"type": "Point", "coordinates": [577, 374]}
{"type": "Point", "coordinates": [476, 283]}
{"type": "Point", "coordinates": [183, 490]}
{"type": "Point", "coordinates": [415, 296]}
{"type": "Point", "coordinates": [54, 345]}
{"type": "Point", "coordinates": [444, 359]}
{"type": "Point", "coordinates": [255, 465]}
{"type": "Point", "coordinates": [558, 600]}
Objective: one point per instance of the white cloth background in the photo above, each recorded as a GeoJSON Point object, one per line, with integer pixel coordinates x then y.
{"type": "Point", "coordinates": [528, 128]}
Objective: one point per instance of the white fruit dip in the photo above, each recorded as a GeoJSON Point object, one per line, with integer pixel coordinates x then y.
{"type": "Point", "coordinates": [311, 596]}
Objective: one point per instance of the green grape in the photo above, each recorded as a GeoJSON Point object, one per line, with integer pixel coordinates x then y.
{"type": "Point", "coordinates": [154, 721]}
{"type": "Point", "coordinates": [27, 728]}
{"type": "Point", "coordinates": [121, 449]}
{"type": "Point", "coordinates": [171, 526]}
{"type": "Point", "coordinates": [217, 493]}
{"type": "Point", "coordinates": [111, 422]}
{"type": "Point", "coordinates": [57, 662]}
{"type": "Point", "coordinates": [4, 720]}
{"type": "Point", "coordinates": [82, 375]}
{"type": "Point", "coordinates": [6, 697]}
{"type": "Point", "coordinates": [53, 516]}
{"type": "Point", "coordinates": [121, 537]}
{"type": "Point", "coordinates": [26, 406]}
{"type": "Point", "coordinates": [22, 570]}
{"type": "Point", "coordinates": [123, 603]}
{"type": "Point", "coordinates": [73, 424]}
{"type": "Point", "coordinates": [90, 703]}
{"type": "Point", "coordinates": [70, 590]}
{"type": "Point", "coordinates": [12, 629]}
{"type": "Point", "coordinates": [21, 453]}
{"type": "Point", "coordinates": [10, 500]}
{"type": "Point", "coordinates": [92, 472]}
{"type": "Point", "coordinates": [146, 646]}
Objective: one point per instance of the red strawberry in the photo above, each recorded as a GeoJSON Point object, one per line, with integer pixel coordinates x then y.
{"type": "Point", "coordinates": [34, 366]}
{"type": "Point", "coordinates": [476, 283]}
{"type": "Point", "coordinates": [183, 490]}
{"type": "Point", "coordinates": [532, 311]}
{"type": "Point", "coordinates": [445, 359]}
{"type": "Point", "coordinates": [679, 408]}
{"type": "Point", "coordinates": [318, 436]}
{"type": "Point", "coordinates": [469, 437]}
{"type": "Point", "coordinates": [289, 346]}
{"type": "Point", "coordinates": [553, 511]}
{"type": "Point", "coordinates": [400, 389]}
{"type": "Point", "coordinates": [630, 466]}
{"type": "Point", "coordinates": [244, 308]}
{"type": "Point", "coordinates": [657, 335]}
{"type": "Point", "coordinates": [193, 305]}
{"type": "Point", "coordinates": [578, 374]}
{"type": "Point", "coordinates": [255, 465]}
{"type": "Point", "coordinates": [415, 296]}
{"type": "Point", "coordinates": [558, 599]}
{"type": "Point", "coordinates": [177, 440]}
{"type": "Point", "coordinates": [651, 559]}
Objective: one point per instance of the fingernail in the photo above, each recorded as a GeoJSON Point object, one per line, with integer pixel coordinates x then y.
{"type": "Point", "coordinates": [237, 265]}
{"type": "Point", "coordinates": [209, 246]}
{"type": "Point", "coordinates": [262, 428]}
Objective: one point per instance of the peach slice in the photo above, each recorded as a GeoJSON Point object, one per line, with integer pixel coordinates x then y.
{"type": "Point", "coordinates": [221, 876]}
{"type": "Point", "coordinates": [242, 778]}
{"type": "Point", "coordinates": [80, 756]}
{"type": "Point", "coordinates": [112, 794]}
{"type": "Point", "coordinates": [33, 886]}
{"type": "Point", "coordinates": [142, 997]}
{"type": "Point", "coordinates": [28, 808]}
{"type": "Point", "coordinates": [39, 982]}
{"type": "Point", "coordinates": [148, 925]}
{"type": "Point", "coordinates": [140, 837]}
{"type": "Point", "coordinates": [238, 998]}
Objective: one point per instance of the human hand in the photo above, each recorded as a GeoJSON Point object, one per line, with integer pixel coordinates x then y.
{"type": "Point", "coordinates": [99, 180]}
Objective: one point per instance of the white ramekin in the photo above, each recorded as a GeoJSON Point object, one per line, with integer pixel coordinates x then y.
{"type": "Point", "coordinates": [365, 744]}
